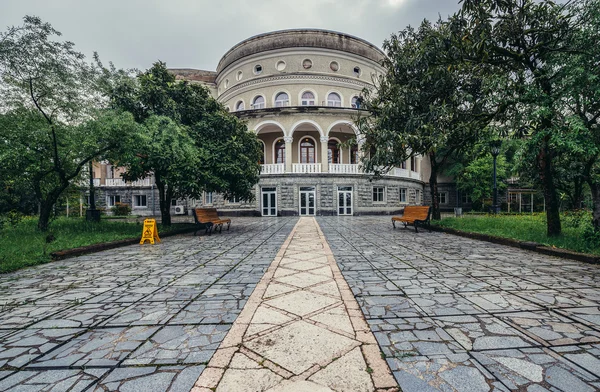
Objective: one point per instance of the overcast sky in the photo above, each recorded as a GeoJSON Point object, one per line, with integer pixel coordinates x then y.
{"type": "Point", "coordinates": [197, 33]}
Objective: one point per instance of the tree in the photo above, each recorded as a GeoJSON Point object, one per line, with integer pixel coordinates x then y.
{"type": "Point", "coordinates": [191, 143]}
{"type": "Point", "coordinates": [54, 123]}
{"type": "Point", "coordinates": [429, 102]}
{"type": "Point", "coordinates": [522, 39]}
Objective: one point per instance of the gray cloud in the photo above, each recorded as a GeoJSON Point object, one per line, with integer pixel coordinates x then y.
{"type": "Point", "coordinates": [195, 34]}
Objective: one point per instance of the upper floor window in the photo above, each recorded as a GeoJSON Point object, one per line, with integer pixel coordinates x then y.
{"type": "Point", "coordinates": [262, 157]}
{"type": "Point", "coordinates": [208, 198]}
{"type": "Point", "coordinates": [259, 102]}
{"type": "Point", "coordinates": [307, 151]}
{"type": "Point", "coordinates": [239, 106]}
{"type": "Point", "coordinates": [413, 164]}
{"type": "Point", "coordinates": [356, 102]}
{"type": "Point", "coordinates": [354, 154]}
{"type": "Point", "coordinates": [333, 151]}
{"type": "Point", "coordinates": [280, 151]}
{"type": "Point", "coordinates": [333, 99]}
{"type": "Point", "coordinates": [308, 99]}
{"type": "Point", "coordinates": [282, 99]}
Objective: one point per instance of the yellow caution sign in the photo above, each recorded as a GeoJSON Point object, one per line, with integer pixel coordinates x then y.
{"type": "Point", "coordinates": [150, 232]}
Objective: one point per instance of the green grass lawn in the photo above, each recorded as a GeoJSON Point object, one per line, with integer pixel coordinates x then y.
{"type": "Point", "coordinates": [524, 228]}
{"type": "Point", "coordinates": [23, 245]}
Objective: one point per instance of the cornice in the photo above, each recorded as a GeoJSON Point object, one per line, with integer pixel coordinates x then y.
{"type": "Point", "coordinates": [276, 80]}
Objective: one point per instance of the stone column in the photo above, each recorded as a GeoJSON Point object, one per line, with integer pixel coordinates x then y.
{"type": "Point", "coordinates": [324, 155]}
{"type": "Point", "coordinates": [288, 153]}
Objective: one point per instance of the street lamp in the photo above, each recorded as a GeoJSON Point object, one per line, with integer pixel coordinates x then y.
{"type": "Point", "coordinates": [495, 150]}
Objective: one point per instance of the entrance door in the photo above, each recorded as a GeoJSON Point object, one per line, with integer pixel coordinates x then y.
{"type": "Point", "coordinates": [269, 201]}
{"type": "Point", "coordinates": [307, 201]}
{"type": "Point", "coordinates": [345, 200]}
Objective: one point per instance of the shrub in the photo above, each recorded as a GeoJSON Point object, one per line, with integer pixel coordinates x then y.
{"type": "Point", "coordinates": [121, 209]}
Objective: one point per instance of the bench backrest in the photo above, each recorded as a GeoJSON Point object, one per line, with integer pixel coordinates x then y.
{"type": "Point", "coordinates": [416, 212]}
{"type": "Point", "coordinates": [203, 215]}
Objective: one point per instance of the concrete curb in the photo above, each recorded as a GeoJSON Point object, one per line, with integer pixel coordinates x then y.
{"type": "Point", "coordinates": [533, 246]}
{"type": "Point", "coordinates": [83, 250]}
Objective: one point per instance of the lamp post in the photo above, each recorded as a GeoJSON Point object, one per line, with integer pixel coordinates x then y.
{"type": "Point", "coordinates": [495, 150]}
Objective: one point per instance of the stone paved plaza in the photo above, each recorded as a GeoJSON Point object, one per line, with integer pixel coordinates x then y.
{"type": "Point", "coordinates": [448, 313]}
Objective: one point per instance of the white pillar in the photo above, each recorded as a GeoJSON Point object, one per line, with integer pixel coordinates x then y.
{"type": "Point", "coordinates": [288, 153]}
{"type": "Point", "coordinates": [324, 155]}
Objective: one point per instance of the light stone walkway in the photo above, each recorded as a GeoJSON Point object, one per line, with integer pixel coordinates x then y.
{"type": "Point", "coordinates": [301, 329]}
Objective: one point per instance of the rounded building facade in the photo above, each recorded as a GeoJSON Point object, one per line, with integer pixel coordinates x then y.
{"type": "Point", "coordinates": [299, 91]}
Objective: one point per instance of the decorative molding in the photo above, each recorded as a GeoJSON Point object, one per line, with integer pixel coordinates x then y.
{"type": "Point", "coordinates": [288, 139]}
{"type": "Point", "coordinates": [352, 83]}
{"type": "Point", "coordinates": [324, 139]}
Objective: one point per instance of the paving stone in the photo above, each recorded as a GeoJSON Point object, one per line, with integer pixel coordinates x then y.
{"type": "Point", "coordinates": [387, 307]}
{"type": "Point", "coordinates": [551, 328]}
{"type": "Point", "coordinates": [150, 379]}
{"type": "Point", "coordinates": [178, 345]}
{"type": "Point", "coordinates": [20, 348]}
{"type": "Point", "coordinates": [586, 356]}
{"type": "Point", "coordinates": [99, 347]}
{"type": "Point", "coordinates": [82, 316]}
{"type": "Point", "coordinates": [522, 368]}
{"type": "Point", "coordinates": [209, 312]}
{"type": "Point", "coordinates": [589, 316]}
{"type": "Point", "coordinates": [497, 302]}
{"type": "Point", "coordinates": [24, 315]}
{"type": "Point", "coordinates": [145, 313]}
{"type": "Point", "coordinates": [51, 380]}
{"type": "Point", "coordinates": [446, 304]}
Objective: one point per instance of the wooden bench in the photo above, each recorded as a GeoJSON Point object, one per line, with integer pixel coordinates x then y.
{"type": "Point", "coordinates": [414, 215]}
{"type": "Point", "coordinates": [210, 219]}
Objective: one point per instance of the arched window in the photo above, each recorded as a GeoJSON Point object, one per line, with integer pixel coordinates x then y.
{"type": "Point", "coordinates": [262, 156]}
{"type": "Point", "coordinates": [354, 154]}
{"type": "Point", "coordinates": [239, 106]}
{"type": "Point", "coordinates": [308, 99]}
{"type": "Point", "coordinates": [258, 103]}
{"type": "Point", "coordinates": [281, 100]}
{"type": "Point", "coordinates": [333, 99]}
{"type": "Point", "coordinates": [356, 102]}
{"type": "Point", "coordinates": [333, 151]}
{"type": "Point", "coordinates": [280, 151]}
{"type": "Point", "coordinates": [307, 150]}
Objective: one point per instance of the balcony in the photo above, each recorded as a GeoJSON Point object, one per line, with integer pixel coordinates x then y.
{"type": "Point", "coordinates": [334, 168]}
{"type": "Point", "coordinates": [278, 168]}
{"type": "Point", "coordinates": [306, 168]}
{"type": "Point", "coordinates": [119, 182]}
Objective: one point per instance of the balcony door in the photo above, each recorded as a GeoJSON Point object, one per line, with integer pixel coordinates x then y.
{"type": "Point", "coordinates": [307, 150]}
{"type": "Point", "coordinates": [307, 201]}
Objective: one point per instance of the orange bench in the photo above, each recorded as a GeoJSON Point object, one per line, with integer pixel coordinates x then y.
{"type": "Point", "coordinates": [210, 219]}
{"type": "Point", "coordinates": [414, 215]}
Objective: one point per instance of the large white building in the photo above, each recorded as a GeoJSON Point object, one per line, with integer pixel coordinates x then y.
{"type": "Point", "coordinates": [298, 90]}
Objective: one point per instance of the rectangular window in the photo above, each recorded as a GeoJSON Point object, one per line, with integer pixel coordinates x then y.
{"type": "Point", "coordinates": [233, 200]}
{"type": "Point", "coordinates": [417, 197]}
{"type": "Point", "coordinates": [402, 195]}
{"type": "Point", "coordinates": [112, 200]}
{"type": "Point", "coordinates": [443, 197]}
{"type": "Point", "coordinates": [403, 165]}
{"type": "Point", "coordinates": [466, 199]}
{"type": "Point", "coordinates": [378, 194]}
{"type": "Point", "coordinates": [139, 201]}
{"type": "Point", "coordinates": [173, 202]}
{"type": "Point", "coordinates": [208, 198]}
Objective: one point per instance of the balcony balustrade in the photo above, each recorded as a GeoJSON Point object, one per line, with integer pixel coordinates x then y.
{"type": "Point", "coordinates": [337, 168]}
{"type": "Point", "coordinates": [119, 182]}
{"type": "Point", "coordinates": [277, 168]}
{"type": "Point", "coordinates": [306, 168]}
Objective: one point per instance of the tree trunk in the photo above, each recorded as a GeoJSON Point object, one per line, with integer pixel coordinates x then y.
{"type": "Point", "coordinates": [45, 213]}
{"type": "Point", "coordinates": [164, 202]}
{"type": "Point", "coordinates": [595, 188]}
{"type": "Point", "coordinates": [433, 187]}
{"type": "Point", "coordinates": [550, 195]}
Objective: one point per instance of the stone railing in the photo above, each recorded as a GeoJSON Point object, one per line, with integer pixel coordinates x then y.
{"type": "Point", "coordinates": [119, 182]}
{"type": "Point", "coordinates": [277, 168]}
{"type": "Point", "coordinates": [306, 168]}
{"type": "Point", "coordinates": [344, 168]}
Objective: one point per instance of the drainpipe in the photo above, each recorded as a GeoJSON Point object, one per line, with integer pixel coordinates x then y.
{"type": "Point", "coordinates": [153, 205]}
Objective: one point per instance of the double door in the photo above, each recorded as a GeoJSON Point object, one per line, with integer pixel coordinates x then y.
{"type": "Point", "coordinates": [344, 200]}
{"type": "Point", "coordinates": [307, 200]}
{"type": "Point", "coordinates": [269, 201]}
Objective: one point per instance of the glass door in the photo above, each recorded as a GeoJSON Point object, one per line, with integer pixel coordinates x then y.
{"type": "Point", "coordinates": [269, 201]}
{"type": "Point", "coordinates": [307, 201]}
{"type": "Point", "coordinates": [345, 200]}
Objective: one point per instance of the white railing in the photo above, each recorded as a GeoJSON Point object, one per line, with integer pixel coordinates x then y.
{"type": "Point", "coordinates": [119, 182]}
{"type": "Point", "coordinates": [337, 168]}
{"type": "Point", "coordinates": [277, 168]}
{"type": "Point", "coordinates": [96, 182]}
{"type": "Point", "coordinates": [307, 168]}
{"type": "Point", "coordinates": [114, 182]}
